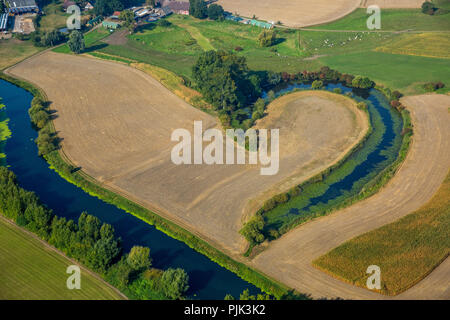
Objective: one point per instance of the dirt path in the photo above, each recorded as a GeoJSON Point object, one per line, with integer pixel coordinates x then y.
{"type": "Point", "coordinates": [289, 258]}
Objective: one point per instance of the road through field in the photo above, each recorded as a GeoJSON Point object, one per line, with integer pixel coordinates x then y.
{"type": "Point", "coordinates": [289, 258]}
{"type": "Point", "coordinates": [116, 124]}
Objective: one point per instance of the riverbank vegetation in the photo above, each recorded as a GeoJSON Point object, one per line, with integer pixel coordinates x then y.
{"type": "Point", "coordinates": [335, 188]}
{"type": "Point", "coordinates": [406, 250]}
{"type": "Point", "coordinates": [90, 242]}
{"type": "Point", "coordinates": [5, 133]}
{"type": "Point", "coordinates": [83, 181]}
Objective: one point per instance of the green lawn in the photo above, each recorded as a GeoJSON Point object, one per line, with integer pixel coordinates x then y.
{"type": "Point", "coordinates": [406, 250]}
{"type": "Point", "coordinates": [392, 20]}
{"type": "Point", "coordinates": [54, 17]}
{"type": "Point", "coordinates": [13, 51]}
{"type": "Point", "coordinates": [29, 270]}
{"type": "Point", "coordinates": [403, 72]}
{"type": "Point", "coordinates": [386, 57]}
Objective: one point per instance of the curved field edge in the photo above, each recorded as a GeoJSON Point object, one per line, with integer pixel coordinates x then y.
{"type": "Point", "coordinates": [372, 187]}
{"type": "Point", "coordinates": [404, 261]}
{"type": "Point", "coordinates": [24, 254]}
{"type": "Point", "coordinates": [60, 164]}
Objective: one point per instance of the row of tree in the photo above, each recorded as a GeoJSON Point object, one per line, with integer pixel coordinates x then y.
{"type": "Point", "coordinates": [88, 240]}
{"type": "Point", "coordinates": [199, 9]}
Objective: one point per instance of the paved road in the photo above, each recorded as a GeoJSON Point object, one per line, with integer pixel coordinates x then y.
{"type": "Point", "coordinates": [289, 258]}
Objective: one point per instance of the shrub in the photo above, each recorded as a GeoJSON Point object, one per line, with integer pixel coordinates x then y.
{"type": "Point", "coordinates": [317, 84]}
{"type": "Point", "coordinates": [175, 283]}
{"type": "Point", "coordinates": [337, 90]}
{"type": "Point", "coordinates": [267, 38]}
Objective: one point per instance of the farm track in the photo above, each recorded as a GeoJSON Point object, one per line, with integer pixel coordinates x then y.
{"type": "Point", "coordinates": [288, 259]}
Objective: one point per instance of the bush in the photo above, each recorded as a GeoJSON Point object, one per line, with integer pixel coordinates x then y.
{"type": "Point", "coordinates": [337, 90]}
{"type": "Point", "coordinates": [252, 230]}
{"type": "Point", "coordinates": [215, 12]}
{"type": "Point", "coordinates": [267, 38]}
{"type": "Point", "coordinates": [317, 84]}
{"type": "Point", "coordinates": [163, 23]}
{"type": "Point", "coordinates": [175, 283]}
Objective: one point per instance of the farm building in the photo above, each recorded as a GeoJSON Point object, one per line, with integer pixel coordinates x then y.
{"type": "Point", "coordinates": [178, 7]}
{"type": "Point", "coordinates": [261, 24]}
{"type": "Point", "coordinates": [164, 11]}
{"type": "Point", "coordinates": [3, 21]}
{"type": "Point", "coordinates": [67, 4]}
{"type": "Point", "coordinates": [110, 24]}
{"type": "Point", "coordinates": [22, 6]}
{"type": "Point", "coordinates": [88, 6]}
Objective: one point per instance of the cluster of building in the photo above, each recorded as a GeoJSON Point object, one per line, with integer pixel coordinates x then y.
{"type": "Point", "coordinates": [16, 7]}
{"type": "Point", "coordinates": [68, 3]}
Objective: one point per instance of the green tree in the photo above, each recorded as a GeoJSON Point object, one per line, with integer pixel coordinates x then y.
{"type": "Point", "coordinates": [317, 84]}
{"type": "Point", "coordinates": [139, 258]}
{"type": "Point", "coordinates": [52, 38]}
{"type": "Point", "coordinates": [76, 42]}
{"type": "Point", "coordinates": [127, 17]}
{"type": "Point", "coordinates": [252, 230]}
{"type": "Point", "coordinates": [428, 8]}
{"type": "Point", "coordinates": [198, 9]}
{"type": "Point", "coordinates": [215, 12]}
{"type": "Point", "coordinates": [362, 83]}
{"type": "Point", "coordinates": [267, 38]}
{"type": "Point", "coordinates": [175, 283]}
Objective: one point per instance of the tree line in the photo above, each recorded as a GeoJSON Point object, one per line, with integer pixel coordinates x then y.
{"type": "Point", "coordinates": [91, 242]}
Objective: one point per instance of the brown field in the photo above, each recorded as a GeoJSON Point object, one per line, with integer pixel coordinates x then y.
{"type": "Point", "coordinates": [289, 259]}
{"type": "Point", "coordinates": [392, 4]}
{"type": "Point", "coordinates": [292, 13]}
{"type": "Point", "coordinates": [117, 121]}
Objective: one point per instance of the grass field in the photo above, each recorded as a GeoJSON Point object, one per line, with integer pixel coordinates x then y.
{"type": "Point", "coordinates": [392, 20]}
{"type": "Point", "coordinates": [404, 72]}
{"type": "Point", "coordinates": [432, 45]}
{"type": "Point", "coordinates": [177, 47]}
{"type": "Point", "coordinates": [30, 270]}
{"type": "Point", "coordinates": [54, 17]}
{"type": "Point", "coordinates": [13, 51]}
{"type": "Point", "coordinates": [406, 250]}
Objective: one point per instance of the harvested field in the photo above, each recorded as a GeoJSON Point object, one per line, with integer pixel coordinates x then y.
{"type": "Point", "coordinates": [292, 13]}
{"type": "Point", "coordinates": [391, 4]}
{"type": "Point", "coordinates": [289, 259]}
{"type": "Point", "coordinates": [116, 123]}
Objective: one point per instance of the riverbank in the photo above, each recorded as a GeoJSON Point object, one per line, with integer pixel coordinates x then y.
{"type": "Point", "coordinates": [57, 163]}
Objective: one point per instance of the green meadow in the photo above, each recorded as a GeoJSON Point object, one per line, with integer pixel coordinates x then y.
{"type": "Point", "coordinates": [391, 20]}
{"type": "Point", "coordinates": [386, 57]}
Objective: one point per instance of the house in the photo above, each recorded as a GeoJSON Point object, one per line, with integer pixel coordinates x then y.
{"type": "Point", "coordinates": [88, 6]}
{"type": "Point", "coordinates": [67, 4]}
{"type": "Point", "coordinates": [178, 7]}
{"type": "Point", "coordinates": [164, 11]}
{"type": "Point", "coordinates": [110, 24]}
{"type": "Point", "coordinates": [116, 15]}
{"type": "Point", "coordinates": [22, 6]}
